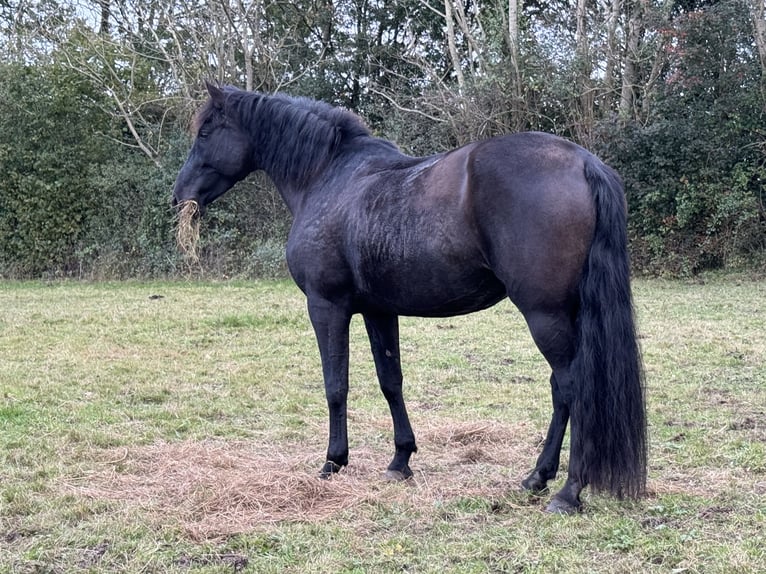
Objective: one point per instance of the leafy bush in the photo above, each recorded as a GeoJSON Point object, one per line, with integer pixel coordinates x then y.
{"type": "Point", "coordinates": [46, 144]}
{"type": "Point", "coordinates": [695, 173]}
{"type": "Point", "coordinates": [74, 202]}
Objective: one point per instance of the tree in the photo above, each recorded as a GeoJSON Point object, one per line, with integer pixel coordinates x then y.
{"type": "Point", "coordinates": [695, 165]}
{"type": "Point", "coordinates": [671, 91]}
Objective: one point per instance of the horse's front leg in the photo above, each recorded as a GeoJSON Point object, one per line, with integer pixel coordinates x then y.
{"type": "Point", "coordinates": [383, 331]}
{"type": "Point", "coordinates": [330, 322]}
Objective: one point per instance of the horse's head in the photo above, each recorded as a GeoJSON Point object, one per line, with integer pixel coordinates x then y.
{"type": "Point", "coordinates": [220, 157]}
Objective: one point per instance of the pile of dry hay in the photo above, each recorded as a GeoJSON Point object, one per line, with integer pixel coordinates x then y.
{"type": "Point", "coordinates": [218, 488]}
{"type": "Point", "coordinates": [187, 230]}
{"type": "Point", "coordinates": [213, 489]}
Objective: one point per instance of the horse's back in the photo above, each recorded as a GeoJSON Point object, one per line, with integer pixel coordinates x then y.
{"type": "Point", "coordinates": [508, 215]}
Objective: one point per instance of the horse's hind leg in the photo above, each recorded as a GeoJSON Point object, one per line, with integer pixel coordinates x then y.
{"type": "Point", "coordinates": [383, 331]}
{"type": "Point", "coordinates": [548, 462]}
{"type": "Point", "coordinates": [554, 334]}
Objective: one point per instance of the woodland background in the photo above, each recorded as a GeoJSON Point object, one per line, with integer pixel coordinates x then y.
{"type": "Point", "coordinates": [97, 96]}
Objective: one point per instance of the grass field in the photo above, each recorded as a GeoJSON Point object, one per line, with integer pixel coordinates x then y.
{"type": "Point", "coordinates": [178, 427]}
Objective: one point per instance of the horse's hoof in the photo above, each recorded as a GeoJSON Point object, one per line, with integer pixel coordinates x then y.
{"type": "Point", "coordinates": [560, 506]}
{"type": "Point", "coordinates": [329, 469]}
{"type": "Point", "coordinates": [532, 487]}
{"type": "Point", "coordinates": [397, 475]}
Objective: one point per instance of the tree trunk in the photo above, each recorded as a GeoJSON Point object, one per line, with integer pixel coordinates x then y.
{"type": "Point", "coordinates": [451, 44]}
{"type": "Point", "coordinates": [758, 13]}
{"type": "Point", "coordinates": [473, 49]}
{"type": "Point", "coordinates": [584, 66]}
{"type": "Point", "coordinates": [612, 53]}
{"type": "Point", "coordinates": [103, 27]}
{"type": "Point", "coordinates": [630, 69]}
{"type": "Point", "coordinates": [249, 37]}
{"type": "Point", "coordinates": [514, 7]}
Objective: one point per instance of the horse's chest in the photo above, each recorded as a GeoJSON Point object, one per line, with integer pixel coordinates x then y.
{"type": "Point", "coordinates": [318, 253]}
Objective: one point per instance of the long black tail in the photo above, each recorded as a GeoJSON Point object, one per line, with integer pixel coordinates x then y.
{"type": "Point", "coordinates": [608, 416]}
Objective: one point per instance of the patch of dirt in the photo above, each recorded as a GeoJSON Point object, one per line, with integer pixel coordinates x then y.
{"type": "Point", "coordinates": [92, 556]}
{"type": "Point", "coordinates": [17, 534]}
{"type": "Point", "coordinates": [752, 424]}
{"type": "Point", "coordinates": [236, 562]}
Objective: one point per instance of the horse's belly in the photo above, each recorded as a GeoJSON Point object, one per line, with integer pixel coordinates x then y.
{"type": "Point", "coordinates": [423, 293]}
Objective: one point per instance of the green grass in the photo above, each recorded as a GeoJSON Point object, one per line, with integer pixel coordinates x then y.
{"type": "Point", "coordinates": [103, 386]}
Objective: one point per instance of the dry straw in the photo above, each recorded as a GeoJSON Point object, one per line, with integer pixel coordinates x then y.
{"type": "Point", "coordinates": [187, 231]}
{"type": "Point", "coordinates": [213, 489]}
{"type": "Point", "coordinates": [217, 488]}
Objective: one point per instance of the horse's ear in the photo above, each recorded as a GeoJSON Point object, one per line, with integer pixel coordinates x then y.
{"type": "Point", "coordinates": [216, 95]}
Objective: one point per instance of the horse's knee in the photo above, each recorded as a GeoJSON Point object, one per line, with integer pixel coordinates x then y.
{"type": "Point", "coordinates": [337, 397]}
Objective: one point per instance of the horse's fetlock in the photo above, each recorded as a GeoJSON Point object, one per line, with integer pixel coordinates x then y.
{"type": "Point", "coordinates": [406, 448]}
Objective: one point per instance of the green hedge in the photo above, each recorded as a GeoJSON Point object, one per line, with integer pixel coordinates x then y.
{"type": "Point", "coordinates": [76, 202]}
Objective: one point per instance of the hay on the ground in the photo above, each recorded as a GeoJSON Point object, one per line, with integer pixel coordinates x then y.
{"type": "Point", "coordinates": [218, 488]}
{"type": "Point", "coordinates": [214, 489]}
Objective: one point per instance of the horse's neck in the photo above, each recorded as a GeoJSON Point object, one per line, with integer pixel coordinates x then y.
{"type": "Point", "coordinates": [303, 144]}
{"type": "Point", "coordinates": [294, 145]}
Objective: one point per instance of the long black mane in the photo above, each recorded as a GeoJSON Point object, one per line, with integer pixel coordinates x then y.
{"type": "Point", "coordinates": [294, 137]}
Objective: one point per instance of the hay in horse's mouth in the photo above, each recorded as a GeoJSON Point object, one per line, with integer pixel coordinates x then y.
{"type": "Point", "coordinates": [187, 231]}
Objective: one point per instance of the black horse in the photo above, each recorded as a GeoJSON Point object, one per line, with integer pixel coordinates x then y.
{"type": "Point", "coordinates": [528, 216]}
